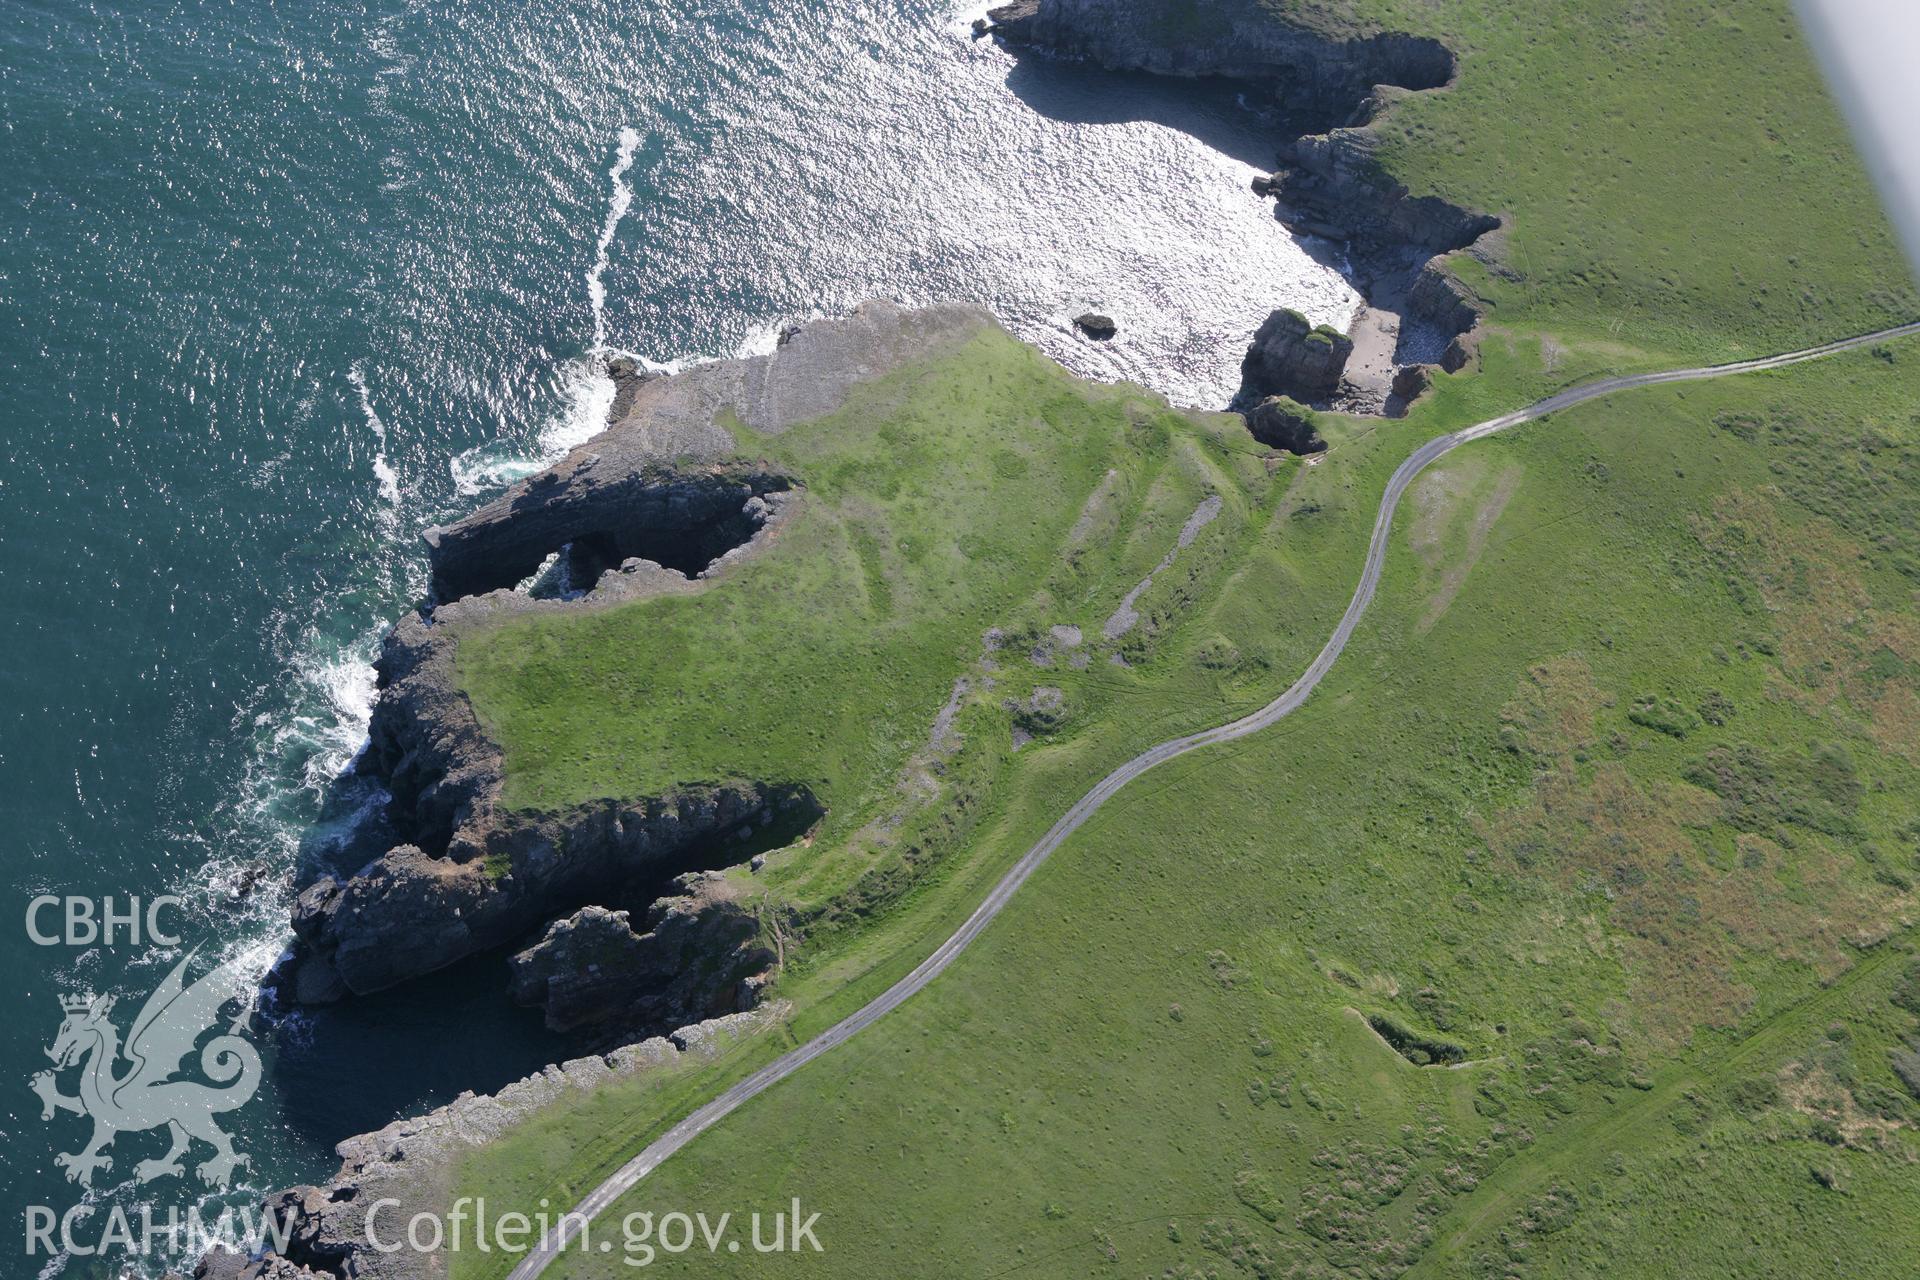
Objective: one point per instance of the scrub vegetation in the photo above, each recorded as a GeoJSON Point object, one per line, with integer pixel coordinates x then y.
{"type": "Point", "coordinates": [1471, 967]}
{"type": "Point", "coordinates": [1570, 927]}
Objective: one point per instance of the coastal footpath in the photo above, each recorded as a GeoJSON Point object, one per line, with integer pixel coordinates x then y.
{"type": "Point", "coordinates": [654, 916]}
{"type": "Point", "coordinates": [649, 509]}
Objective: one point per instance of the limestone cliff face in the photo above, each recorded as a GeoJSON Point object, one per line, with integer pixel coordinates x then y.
{"type": "Point", "coordinates": [474, 874]}
{"type": "Point", "coordinates": [661, 483]}
{"type": "Point", "coordinates": [411, 1164]}
{"type": "Point", "coordinates": [605, 509]}
{"type": "Point", "coordinates": [664, 482]}
{"type": "Point", "coordinates": [1236, 38]}
{"type": "Point", "coordinates": [697, 954]}
{"type": "Point", "coordinates": [1331, 183]}
{"type": "Point", "coordinates": [409, 913]}
{"type": "Point", "coordinates": [657, 503]}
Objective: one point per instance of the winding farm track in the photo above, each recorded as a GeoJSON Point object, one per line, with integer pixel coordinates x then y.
{"type": "Point", "coordinates": [630, 1174]}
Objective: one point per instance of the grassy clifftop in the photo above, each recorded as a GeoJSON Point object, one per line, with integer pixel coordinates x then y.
{"type": "Point", "coordinates": [1676, 176]}
{"type": "Point", "coordinates": [968, 530]}
{"type": "Point", "coordinates": [1569, 929]}
{"type": "Point", "coordinates": [933, 505]}
{"type": "Point", "coordinates": [1611, 802]}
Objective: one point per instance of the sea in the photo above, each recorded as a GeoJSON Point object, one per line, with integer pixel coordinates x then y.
{"type": "Point", "coordinates": [283, 283]}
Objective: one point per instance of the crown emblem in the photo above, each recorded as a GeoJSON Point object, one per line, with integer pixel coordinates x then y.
{"type": "Point", "coordinates": [77, 1004]}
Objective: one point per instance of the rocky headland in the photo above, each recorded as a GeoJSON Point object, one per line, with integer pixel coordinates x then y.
{"type": "Point", "coordinates": [410, 1163]}
{"type": "Point", "coordinates": [662, 501]}
{"type": "Point", "coordinates": [609, 901]}
{"type": "Point", "coordinates": [620, 916]}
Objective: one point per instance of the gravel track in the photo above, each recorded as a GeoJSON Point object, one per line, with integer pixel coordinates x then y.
{"type": "Point", "coordinates": [711, 1113]}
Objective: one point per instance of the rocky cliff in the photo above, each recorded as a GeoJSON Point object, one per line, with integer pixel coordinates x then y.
{"type": "Point", "coordinates": [1282, 423]}
{"type": "Point", "coordinates": [411, 1163]}
{"type": "Point", "coordinates": [624, 920]}
{"type": "Point", "coordinates": [1330, 181]}
{"type": "Point", "coordinates": [595, 968]}
{"type": "Point", "coordinates": [1319, 71]}
{"type": "Point", "coordinates": [664, 481]}
{"type": "Point", "coordinates": [476, 875]}
{"type": "Point", "coordinates": [1333, 184]}
{"type": "Point", "coordinates": [659, 502]}
{"type": "Point", "coordinates": [1291, 356]}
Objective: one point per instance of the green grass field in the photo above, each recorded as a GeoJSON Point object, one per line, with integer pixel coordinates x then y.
{"type": "Point", "coordinates": [987, 490]}
{"type": "Point", "coordinates": [1676, 180]}
{"type": "Point", "coordinates": [1609, 816]}
{"type": "Point", "coordinates": [1221, 631]}
{"type": "Point", "coordinates": [1515, 829]}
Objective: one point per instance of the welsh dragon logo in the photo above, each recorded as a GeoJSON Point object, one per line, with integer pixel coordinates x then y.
{"type": "Point", "coordinates": [131, 1088]}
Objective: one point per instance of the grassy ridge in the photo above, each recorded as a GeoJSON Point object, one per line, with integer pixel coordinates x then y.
{"type": "Point", "coordinates": [1612, 797]}
{"type": "Point", "coordinates": [1154, 1055]}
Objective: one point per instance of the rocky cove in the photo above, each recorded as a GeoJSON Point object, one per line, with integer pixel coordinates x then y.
{"type": "Point", "coordinates": [1329, 183]}
{"type": "Point", "coordinates": [621, 920]}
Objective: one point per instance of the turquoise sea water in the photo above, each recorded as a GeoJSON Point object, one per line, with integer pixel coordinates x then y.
{"type": "Point", "coordinates": [282, 284]}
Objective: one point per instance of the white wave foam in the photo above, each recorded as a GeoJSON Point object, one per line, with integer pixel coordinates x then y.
{"type": "Point", "coordinates": [331, 726]}
{"type": "Point", "coordinates": [584, 396]}
{"type": "Point", "coordinates": [382, 470]}
{"type": "Point", "coordinates": [236, 898]}
{"type": "Point", "coordinates": [960, 23]}
{"type": "Point", "coordinates": [304, 738]}
{"type": "Point", "coordinates": [489, 466]}
{"type": "Point", "coordinates": [616, 210]}
{"type": "Point", "coordinates": [763, 338]}
{"type": "Point", "coordinates": [389, 483]}
{"type": "Point", "coordinates": [583, 389]}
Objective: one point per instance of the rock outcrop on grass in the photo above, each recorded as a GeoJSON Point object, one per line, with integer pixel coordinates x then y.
{"type": "Point", "coordinates": [471, 873]}
{"type": "Point", "coordinates": [409, 913]}
{"type": "Point", "coordinates": [1281, 423]}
